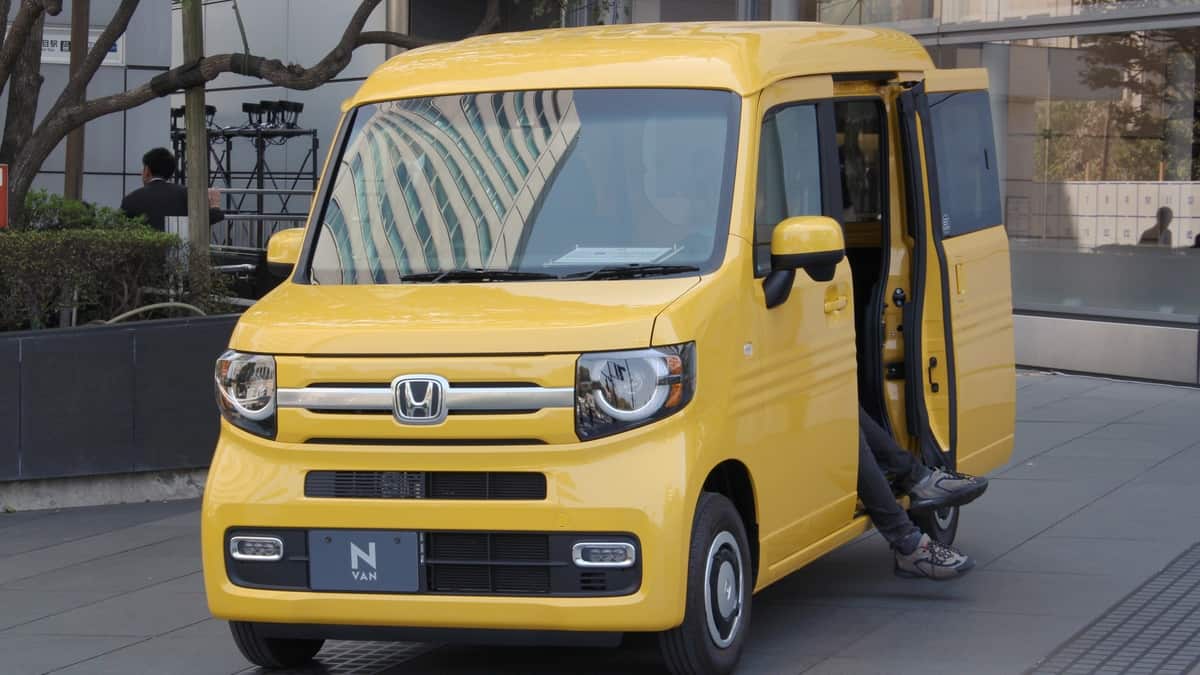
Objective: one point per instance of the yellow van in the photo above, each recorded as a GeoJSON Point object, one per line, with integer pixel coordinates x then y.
{"type": "Point", "coordinates": [578, 330]}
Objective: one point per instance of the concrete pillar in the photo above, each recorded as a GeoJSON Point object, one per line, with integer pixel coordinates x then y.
{"type": "Point", "coordinates": [647, 11]}
{"type": "Point", "coordinates": [397, 21]}
{"type": "Point", "coordinates": [787, 10]}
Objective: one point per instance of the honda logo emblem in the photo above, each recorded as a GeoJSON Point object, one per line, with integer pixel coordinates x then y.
{"type": "Point", "coordinates": [419, 399]}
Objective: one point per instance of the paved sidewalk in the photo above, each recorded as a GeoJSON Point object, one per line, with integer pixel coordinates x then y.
{"type": "Point", "coordinates": [1098, 500]}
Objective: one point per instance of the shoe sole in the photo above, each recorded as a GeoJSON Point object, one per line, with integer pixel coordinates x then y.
{"type": "Point", "coordinates": [960, 498]}
{"type": "Point", "coordinates": [962, 572]}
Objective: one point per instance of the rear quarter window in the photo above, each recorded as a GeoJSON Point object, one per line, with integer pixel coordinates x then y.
{"type": "Point", "coordinates": [965, 155]}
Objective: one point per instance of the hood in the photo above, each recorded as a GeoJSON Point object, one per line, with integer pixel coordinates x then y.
{"type": "Point", "coordinates": [487, 318]}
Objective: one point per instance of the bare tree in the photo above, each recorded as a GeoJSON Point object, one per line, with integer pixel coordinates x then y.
{"type": "Point", "coordinates": [26, 146]}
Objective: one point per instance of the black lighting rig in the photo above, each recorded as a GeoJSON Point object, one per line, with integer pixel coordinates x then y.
{"type": "Point", "coordinates": [258, 198]}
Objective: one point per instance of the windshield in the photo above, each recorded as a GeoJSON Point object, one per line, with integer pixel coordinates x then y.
{"type": "Point", "coordinates": [536, 184]}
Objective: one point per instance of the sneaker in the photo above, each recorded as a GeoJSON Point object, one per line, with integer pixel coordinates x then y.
{"type": "Point", "coordinates": [941, 489]}
{"type": "Point", "coordinates": [932, 560]}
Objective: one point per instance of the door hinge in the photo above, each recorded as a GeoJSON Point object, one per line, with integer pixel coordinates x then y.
{"type": "Point", "coordinates": [894, 371]}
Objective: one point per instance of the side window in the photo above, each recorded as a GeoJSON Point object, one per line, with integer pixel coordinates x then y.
{"type": "Point", "coordinates": [860, 153]}
{"type": "Point", "coordinates": [965, 153]}
{"type": "Point", "coordinates": [789, 175]}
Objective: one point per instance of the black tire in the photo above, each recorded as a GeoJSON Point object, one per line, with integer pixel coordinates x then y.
{"type": "Point", "coordinates": [720, 586]}
{"type": "Point", "coordinates": [940, 525]}
{"type": "Point", "coordinates": [272, 652]}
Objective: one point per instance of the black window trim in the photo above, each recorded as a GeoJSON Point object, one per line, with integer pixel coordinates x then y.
{"type": "Point", "coordinates": [830, 168]}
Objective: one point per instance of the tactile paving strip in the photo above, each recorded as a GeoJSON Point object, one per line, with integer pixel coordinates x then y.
{"type": "Point", "coordinates": [1155, 629]}
{"type": "Point", "coordinates": [357, 658]}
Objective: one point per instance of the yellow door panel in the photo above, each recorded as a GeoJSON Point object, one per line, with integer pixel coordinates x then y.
{"type": "Point", "coordinates": [981, 314]}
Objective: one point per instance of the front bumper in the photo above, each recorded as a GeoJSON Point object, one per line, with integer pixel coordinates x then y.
{"type": "Point", "coordinates": [634, 483]}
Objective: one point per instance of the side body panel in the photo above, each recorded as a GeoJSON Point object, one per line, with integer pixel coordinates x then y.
{"type": "Point", "coordinates": [788, 377]}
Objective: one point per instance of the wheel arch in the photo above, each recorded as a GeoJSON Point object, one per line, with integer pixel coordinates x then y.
{"type": "Point", "coordinates": [731, 478]}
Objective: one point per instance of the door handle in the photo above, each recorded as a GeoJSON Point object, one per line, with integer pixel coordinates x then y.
{"type": "Point", "coordinates": [836, 305]}
{"type": "Point", "coordinates": [933, 386]}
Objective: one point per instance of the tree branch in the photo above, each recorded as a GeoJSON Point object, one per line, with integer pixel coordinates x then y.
{"type": "Point", "coordinates": [95, 58]}
{"type": "Point", "coordinates": [23, 24]}
{"type": "Point", "coordinates": [22, 100]}
{"type": "Point", "coordinates": [383, 37]}
{"type": "Point", "coordinates": [491, 19]}
{"type": "Point", "coordinates": [5, 5]}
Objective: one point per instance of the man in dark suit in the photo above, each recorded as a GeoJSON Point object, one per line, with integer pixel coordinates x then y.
{"type": "Point", "coordinates": [157, 199]}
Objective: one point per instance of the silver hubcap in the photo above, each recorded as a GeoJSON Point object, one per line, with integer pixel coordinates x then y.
{"type": "Point", "coordinates": [724, 589]}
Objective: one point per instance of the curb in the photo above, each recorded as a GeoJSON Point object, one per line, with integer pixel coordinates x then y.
{"type": "Point", "coordinates": [58, 493]}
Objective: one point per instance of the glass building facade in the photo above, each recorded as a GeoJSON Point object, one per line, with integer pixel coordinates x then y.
{"type": "Point", "coordinates": [1096, 113]}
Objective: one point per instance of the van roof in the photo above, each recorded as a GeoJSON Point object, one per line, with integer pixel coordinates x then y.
{"type": "Point", "coordinates": [739, 56]}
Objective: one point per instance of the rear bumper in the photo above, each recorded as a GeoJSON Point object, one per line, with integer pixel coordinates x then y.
{"type": "Point", "coordinates": [633, 483]}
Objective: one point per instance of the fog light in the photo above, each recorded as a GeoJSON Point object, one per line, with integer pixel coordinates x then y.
{"type": "Point", "coordinates": [603, 554]}
{"type": "Point", "coordinates": [260, 549]}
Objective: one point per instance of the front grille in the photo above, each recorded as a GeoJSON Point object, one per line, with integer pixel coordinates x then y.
{"type": "Point", "coordinates": [479, 485]}
{"type": "Point", "coordinates": [478, 562]}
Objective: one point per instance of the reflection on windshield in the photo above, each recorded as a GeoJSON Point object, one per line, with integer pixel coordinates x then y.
{"type": "Point", "coordinates": [553, 182]}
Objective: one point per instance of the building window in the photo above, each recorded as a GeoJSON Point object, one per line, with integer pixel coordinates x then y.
{"type": "Point", "coordinates": [1098, 156]}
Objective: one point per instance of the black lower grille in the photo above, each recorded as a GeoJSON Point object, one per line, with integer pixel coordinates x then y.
{"type": "Point", "coordinates": [530, 580]}
{"type": "Point", "coordinates": [455, 546]}
{"type": "Point", "coordinates": [593, 582]}
{"type": "Point", "coordinates": [481, 485]}
{"type": "Point", "coordinates": [460, 579]}
{"type": "Point", "coordinates": [503, 563]}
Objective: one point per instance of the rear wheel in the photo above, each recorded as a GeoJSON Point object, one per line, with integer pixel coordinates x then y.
{"type": "Point", "coordinates": [272, 652]}
{"type": "Point", "coordinates": [720, 585]}
{"type": "Point", "coordinates": [940, 525]}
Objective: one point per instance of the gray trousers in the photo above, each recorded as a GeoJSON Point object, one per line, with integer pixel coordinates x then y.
{"type": "Point", "coordinates": [878, 457]}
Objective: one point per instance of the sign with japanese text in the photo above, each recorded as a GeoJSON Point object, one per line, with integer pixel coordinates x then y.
{"type": "Point", "coordinates": [56, 46]}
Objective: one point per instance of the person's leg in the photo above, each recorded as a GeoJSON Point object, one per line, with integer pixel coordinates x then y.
{"type": "Point", "coordinates": [928, 489]}
{"type": "Point", "coordinates": [876, 495]}
{"type": "Point", "coordinates": [894, 460]}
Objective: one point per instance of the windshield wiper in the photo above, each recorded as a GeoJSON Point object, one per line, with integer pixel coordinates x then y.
{"type": "Point", "coordinates": [632, 271]}
{"type": "Point", "coordinates": [476, 275]}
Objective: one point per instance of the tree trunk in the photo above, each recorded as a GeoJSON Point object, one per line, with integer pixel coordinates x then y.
{"type": "Point", "coordinates": [80, 31]}
{"type": "Point", "coordinates": [18, 128]}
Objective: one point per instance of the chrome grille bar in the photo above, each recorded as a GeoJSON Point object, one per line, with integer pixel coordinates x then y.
{"type": "Point", "coordinates": [457, 399]}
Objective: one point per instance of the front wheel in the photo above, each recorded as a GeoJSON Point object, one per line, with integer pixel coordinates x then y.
{"type": "Point", "coordinates": [940, 525]}
{"type": "Point", "coordinates": [720, 586]}
{"type": "Point", "coordinates": [272, 652]}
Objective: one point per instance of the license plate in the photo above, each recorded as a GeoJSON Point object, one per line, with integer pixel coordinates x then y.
{"type": "Point", "coordinates": [368, 561]}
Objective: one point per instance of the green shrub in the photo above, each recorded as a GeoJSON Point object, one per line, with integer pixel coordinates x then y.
{"type": "Point", "coordinates": [69, 255]}
{"type": "Point", "coordinates": [46, 211]}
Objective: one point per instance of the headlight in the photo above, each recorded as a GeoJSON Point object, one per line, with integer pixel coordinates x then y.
{"type": "Point", "coordinates": [618, 391]}
{"type": "Point", "coordinates": [246, 391]}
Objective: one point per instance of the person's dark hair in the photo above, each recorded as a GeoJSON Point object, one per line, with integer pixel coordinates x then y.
{"type": "Point", "coordinates": [1163, 216]}
{"type": "Point", "coordinates": [160, 162]}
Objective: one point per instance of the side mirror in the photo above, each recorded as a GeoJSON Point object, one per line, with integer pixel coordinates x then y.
{"type": "Point", "coordinates": [812, 243]}
{"type": "Point", "coordinates": [283, 250]}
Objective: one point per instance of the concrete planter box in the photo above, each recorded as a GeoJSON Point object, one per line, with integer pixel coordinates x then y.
{"type": "Point", "coordinates": [104, 400]}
